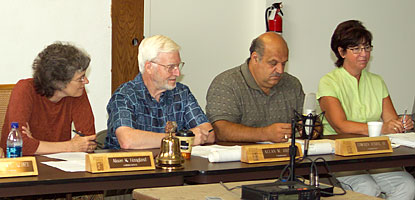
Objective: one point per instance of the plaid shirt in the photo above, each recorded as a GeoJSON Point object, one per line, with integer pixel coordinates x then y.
{"type": "Point", "coordinates": [132, 105]}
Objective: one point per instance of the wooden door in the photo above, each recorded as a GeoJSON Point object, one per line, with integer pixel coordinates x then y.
{"type": "Point", "coordinates": [127, 32]}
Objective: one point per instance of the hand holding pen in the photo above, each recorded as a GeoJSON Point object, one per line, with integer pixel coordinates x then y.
{"type": "Point", "coordinates": [83, 135]}
{"type": "Point", "coordinates": [406, 123]}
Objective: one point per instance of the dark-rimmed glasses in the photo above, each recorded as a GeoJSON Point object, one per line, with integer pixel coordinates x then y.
{"type": "Point", "coordinates": [357, 50]}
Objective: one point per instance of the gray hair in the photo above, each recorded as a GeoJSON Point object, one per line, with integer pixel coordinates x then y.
{"type": "Point", "coordinates": [55, 66]}
{"type": "Point", "coordinates": [257, 46]}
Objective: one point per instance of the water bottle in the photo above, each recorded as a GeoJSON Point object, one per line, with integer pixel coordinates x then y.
{"type": "Point", "coordinates": [14, 142]}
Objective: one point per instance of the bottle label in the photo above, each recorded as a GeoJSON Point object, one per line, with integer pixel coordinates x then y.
{"type": "Point", "coordinates": [14, 152]}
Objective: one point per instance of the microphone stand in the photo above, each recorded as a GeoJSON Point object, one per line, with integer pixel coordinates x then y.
{"type": "Point", "coordinates": [291, 188]}
{"type": "Point", "coordinates": [309, 122]}
{"type": "Point", "coordinates": [293, 151]}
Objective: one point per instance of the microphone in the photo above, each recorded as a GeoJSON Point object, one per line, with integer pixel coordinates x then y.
{"type": "Point", "coordinates": [309, 119]}
{"type": "Point", "coordinates": [309, 111]}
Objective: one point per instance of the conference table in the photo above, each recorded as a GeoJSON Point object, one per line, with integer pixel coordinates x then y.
{"type": "Point", "coordinates": [53, 181]}
{"type": "Point", "coordinates": [237, 171]}
{"type": "Point", "coordinates": [197, 170]}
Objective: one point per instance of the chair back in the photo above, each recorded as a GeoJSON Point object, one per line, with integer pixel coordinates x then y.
{"type": "Point", "coordinates": [5, 92]}
{"type": "Point", "coordinates": [101, 136]}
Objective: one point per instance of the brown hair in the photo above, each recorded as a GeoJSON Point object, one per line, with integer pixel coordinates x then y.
{"type": "Point", "coordinates": [350, 33]}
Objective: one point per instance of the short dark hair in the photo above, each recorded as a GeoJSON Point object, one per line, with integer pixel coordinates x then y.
{"type": "Point", "coordinates": [257, 45]}
{"type": "Point", "coordinates": [55, 66]}
{"type": "Point", "coordinates": [349, 34]}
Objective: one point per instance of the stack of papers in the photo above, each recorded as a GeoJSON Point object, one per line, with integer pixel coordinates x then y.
{"type": "Point", "coordinates": [318, 147]}
{"type": "Point", "coordinates": [73, 161]}
{"type": "Point", "coordinates": [406, 139]}
{"type": "Point", "coordinates": [218, 153]}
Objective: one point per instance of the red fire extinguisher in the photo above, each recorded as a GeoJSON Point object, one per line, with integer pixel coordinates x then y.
{"type": "Point", "coordinates": [272, 19]}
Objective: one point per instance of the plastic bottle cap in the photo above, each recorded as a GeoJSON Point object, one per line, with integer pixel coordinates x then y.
{"type": "Point", "coordinates": [15, 125]}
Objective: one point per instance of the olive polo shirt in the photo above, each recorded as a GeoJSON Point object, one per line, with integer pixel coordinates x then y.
{"type": "Point", "coordinates": [235, 96]}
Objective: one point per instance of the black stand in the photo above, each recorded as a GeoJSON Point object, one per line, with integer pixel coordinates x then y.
{"type": "Point", "coordinates": [293, 152]}
{"type": "Point", "coordinates": [290, 189]}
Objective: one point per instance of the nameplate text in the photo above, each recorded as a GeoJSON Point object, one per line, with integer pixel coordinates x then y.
{"type": "Point", "coordinates": [122, 161]}
{"type": "Point", "coordinates": [268, 152]}
{"type": "Point", "coordinates": [13, 167]}
{"type": "Point", "coordinates": [363, 146]}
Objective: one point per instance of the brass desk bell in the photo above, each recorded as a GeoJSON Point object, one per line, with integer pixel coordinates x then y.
{"type": "Point", "coordinates": [170, 156]}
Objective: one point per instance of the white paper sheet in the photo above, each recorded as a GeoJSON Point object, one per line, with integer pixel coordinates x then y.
{"type": "Point", "coordinates": [73, 161]}
{"type": "Point", "coordinates": [218, 153]}
{"type": "Point", "coordinates": [406, 139]}
{"type": "Point", "coordinates": [67, 166]}
{"type": "Point", "coordinates": [67, 156]}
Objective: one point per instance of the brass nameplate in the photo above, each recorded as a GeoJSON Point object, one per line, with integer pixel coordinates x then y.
{"type": "Point", "coordinates": [23, 166]}
{"type": "Point", "coordinates": [268, 152]}
{"type": "Point", "coordinates": [363, 146]}
{"type": "Point", "coordinates": [122, 161]}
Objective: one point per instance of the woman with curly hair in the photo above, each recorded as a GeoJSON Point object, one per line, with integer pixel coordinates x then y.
{"type": "Point", "coordinates": [46, 105]}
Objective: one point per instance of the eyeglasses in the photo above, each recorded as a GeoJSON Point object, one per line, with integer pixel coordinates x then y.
{"type": "Point", "coordinates": [171, 67]}
{"type": "Point", "coordinates": [357, 50]}
{"type": "Point", "coordinates": [80, 79]}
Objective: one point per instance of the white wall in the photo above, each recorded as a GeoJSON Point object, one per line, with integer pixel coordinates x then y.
{"type": "Point", "coordinates": [310, 24]}
{"type": "Point", "coordinates": [215, 35]}
{"type": "Point", "coordinates": [28, 26]}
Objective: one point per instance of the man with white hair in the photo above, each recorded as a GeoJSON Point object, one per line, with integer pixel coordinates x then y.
{"type": "Point", "coordinates": [139, 109]}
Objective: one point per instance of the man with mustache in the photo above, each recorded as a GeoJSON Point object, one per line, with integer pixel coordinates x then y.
{"type": "Point", "coordinates": [254, 102]}
{"type": "Point", "coordinates": [139, 109]}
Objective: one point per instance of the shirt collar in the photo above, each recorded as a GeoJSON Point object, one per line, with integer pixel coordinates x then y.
{"type": "Point", "coordinates": [143, 87]}
{"type": "Point", "coordinates": [250, 80]}
{"type": "Point", "coordinates": [363, 74]}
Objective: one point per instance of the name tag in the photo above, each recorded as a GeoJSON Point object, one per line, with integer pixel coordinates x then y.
{"type": "Point", "coordinates": [122, 161]}
{"type": "Point", "coordinates": [363, 145]}
{"type": "Point", "coordinates": [23, 166]}
{"type": "Point", "coordinates": [268, 152]}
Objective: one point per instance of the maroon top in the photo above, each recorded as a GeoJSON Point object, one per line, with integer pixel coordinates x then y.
{"type": "Point", "coordinates": [48, 121]}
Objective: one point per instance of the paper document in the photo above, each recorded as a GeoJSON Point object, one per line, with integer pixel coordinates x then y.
{"type": "Point", "coordinates": [218, 153]}
{"type": "Point", "coordinates": [67, 166]}
{"type": "Point", "coordinates": [67, 156]}
{"type": "Point", "coordinates": [73, 161]}
{"type": "Point", "coordinates": [318, 147]}
{"type": "Point", "coordinates": [406, 139]}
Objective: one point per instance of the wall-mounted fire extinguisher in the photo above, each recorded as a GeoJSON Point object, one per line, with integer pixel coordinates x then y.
{"type": "Point", "coordinates": [272, 19]}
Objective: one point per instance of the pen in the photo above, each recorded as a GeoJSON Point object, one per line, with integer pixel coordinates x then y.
{"type": "Point", "coordinates": [83, 135]}
{"type": "Point", "coordinates": [403, 121]}
{"type": "Point", "coordinates": [210, 130]}
{"type": "Point", "coordinates": [79, 133]}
